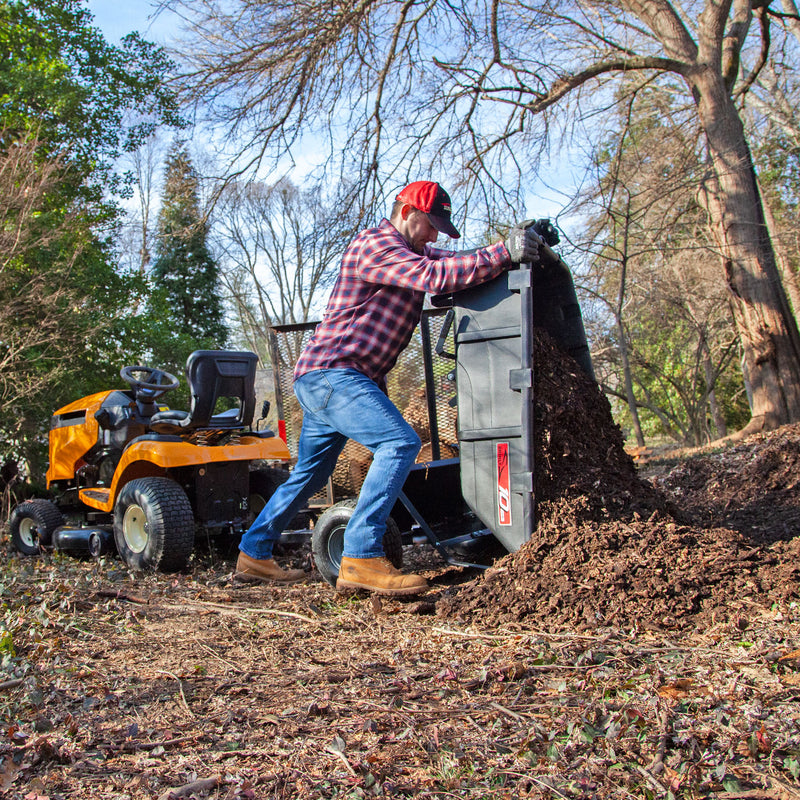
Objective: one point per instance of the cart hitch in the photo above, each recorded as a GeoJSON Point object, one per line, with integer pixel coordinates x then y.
{"type": "Point", "coordinates": [432, 538]}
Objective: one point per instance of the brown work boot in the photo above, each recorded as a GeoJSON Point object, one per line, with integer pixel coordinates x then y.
{"type": "Point", "coordinates": [252, 570]}
{"type": "Point", "coordinates": [377, 575]}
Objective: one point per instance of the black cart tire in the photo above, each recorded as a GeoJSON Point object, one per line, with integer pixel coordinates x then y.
{"type": "Point", "coordinates": [263, 483]}
{"type": "Point", "coordinates": [154, 525]}
{"type": "Point", "coordinates": [32, 524]}
{"type": "Point", "coordinates": [327, 540]}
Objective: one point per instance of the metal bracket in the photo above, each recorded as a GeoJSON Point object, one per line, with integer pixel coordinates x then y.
{"type": "Point", "coordinates": [431, 536]}
{"type": "Point", "coordinates": [518, 279]}
{"type": "Point", "coordinates": [519, 379]}
{"type": "Point", "coordinates": [521, 482]}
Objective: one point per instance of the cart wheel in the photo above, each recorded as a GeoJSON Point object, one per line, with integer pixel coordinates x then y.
{"type": "Point", "coordinates": [327, 540]}
{"type": "Point", "coordinates": [154, 525]}
{"type": "Point", "coordinates": [32, 524]}
{"type": "Point", "coordinates": [263, 483]}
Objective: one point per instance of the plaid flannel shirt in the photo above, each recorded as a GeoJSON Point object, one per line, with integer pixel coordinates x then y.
{"type": "Point", "coordinates": [377, 300]}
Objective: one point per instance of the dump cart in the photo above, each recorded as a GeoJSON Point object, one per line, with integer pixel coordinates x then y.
{"type": "Point", "coordinates": [465, 383]}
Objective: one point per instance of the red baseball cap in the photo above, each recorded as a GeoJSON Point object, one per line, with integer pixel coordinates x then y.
{"type": "Point", "coordinates": [432, 200]}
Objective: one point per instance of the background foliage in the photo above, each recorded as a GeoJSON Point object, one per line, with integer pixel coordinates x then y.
{"type": "Point", "coordinates": [121, 244]}
{"type": "Point", "coordinates": [71, 103]}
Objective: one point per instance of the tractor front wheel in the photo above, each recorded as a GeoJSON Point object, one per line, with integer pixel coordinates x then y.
{"type": "Point", "coordinates": [327, 540]}
{"type": "Point", "coordinates": [154, 525]}
{"type": "Point", "coordinates": [32, 524]}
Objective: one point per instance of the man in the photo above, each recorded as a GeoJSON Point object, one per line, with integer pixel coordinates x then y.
{"type": "Point", "coordinates": [340, 381]}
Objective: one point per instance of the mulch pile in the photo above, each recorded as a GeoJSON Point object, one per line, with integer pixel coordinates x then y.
{"type": "Point", "coordinates": [700, 545]}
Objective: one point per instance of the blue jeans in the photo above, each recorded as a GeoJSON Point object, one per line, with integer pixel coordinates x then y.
{"type": "Point", "coordinates": [341, 404]}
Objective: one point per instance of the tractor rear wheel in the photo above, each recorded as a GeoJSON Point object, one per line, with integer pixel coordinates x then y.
{"type": "Point", "coordinates": [154, 525]}
{"type": "Point", "coordinates": [327, 540]}
{"type": "Point", "coordinates": [263, 483]}
{"type": "Point", "coordinates": [32, 524]}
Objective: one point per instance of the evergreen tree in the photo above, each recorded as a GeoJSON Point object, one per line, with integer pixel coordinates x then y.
{"type": "Point", "coordinates": [65, 118]}
{"type": "Point", "coordinates": [185, 300]}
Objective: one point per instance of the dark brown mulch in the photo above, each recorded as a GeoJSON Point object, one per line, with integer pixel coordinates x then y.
{"type": "Point", "coordinates": [611, 548]}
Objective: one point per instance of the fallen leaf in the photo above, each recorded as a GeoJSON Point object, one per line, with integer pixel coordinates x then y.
{"type": "Point", "coordinates": [8, 771]}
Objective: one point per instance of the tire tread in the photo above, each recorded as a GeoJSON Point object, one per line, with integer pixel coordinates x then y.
{"type": "Point", "coordinates": [334, 516]}
{"type": "Point", "coordinates": [170, 517]}
{"type": "Point", "coordinates": [44, 512]}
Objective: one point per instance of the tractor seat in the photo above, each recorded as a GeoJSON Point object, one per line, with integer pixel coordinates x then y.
{"type": "Point", "coordinates": [213, 375]}
{"type": "Point", "coordinates": [172, 416]}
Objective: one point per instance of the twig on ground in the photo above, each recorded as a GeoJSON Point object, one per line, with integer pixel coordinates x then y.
{"type": "Point", "coordinates": [245, 609]}
{"type": "Point", "coordinates": [657, 785]}
{"type": "Point", "coordinates": [657, 765]}
{"type": "Point", "coordinates": [134, 746]}
{"type": "Point", "coordinates": [778, 788]}
{"type": "Point", "coordinates": [201, 785]}
{"type": "Point", "coordinates": [180, 687]}
{"type": "Point", "coordinates": [469, 635]}
{"type": "Point", "coordinates": [219, 658]}
{"type": "Point", "coordinates": [116, 594]}
{"type": "Point", "coordinates": [343, 758]}
{"type": "Point", "coordinates": [548, 786]}
{"type": "Point", "coordinates": [507, 711]}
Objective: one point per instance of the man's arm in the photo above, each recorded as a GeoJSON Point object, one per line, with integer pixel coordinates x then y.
{"type": "Point", "coordinates": [387, 260]}
{"type": "Point", "coordinates": [436, 272]}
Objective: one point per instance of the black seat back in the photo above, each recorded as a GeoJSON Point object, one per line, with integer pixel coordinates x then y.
{"type": "Point", "coordinates": [217, 374]}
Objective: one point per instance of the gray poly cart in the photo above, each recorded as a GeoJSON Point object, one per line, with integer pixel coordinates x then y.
{"type": "Point", "coordinates": [493, 326]}
{"type": "Point", "coordinates": [486, 332]}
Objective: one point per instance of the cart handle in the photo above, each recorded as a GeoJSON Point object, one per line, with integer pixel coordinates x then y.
{"type": "Point", "coordinates": [443, 334]}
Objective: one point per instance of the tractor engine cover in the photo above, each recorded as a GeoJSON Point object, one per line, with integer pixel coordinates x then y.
{"type": "Point", "coordinates": [220, 494]}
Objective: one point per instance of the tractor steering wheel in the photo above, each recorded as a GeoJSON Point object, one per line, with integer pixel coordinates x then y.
{"type": "Point", "coordinates": [153, 383]}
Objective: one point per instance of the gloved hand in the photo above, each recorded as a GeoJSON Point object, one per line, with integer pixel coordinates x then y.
{"type": "Point", "coordinates": [547, 231]}
{"type": "Point", "coordinates": [523, 243]}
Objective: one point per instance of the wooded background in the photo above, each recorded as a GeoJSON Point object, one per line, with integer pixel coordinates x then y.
{"type": "Point", "coordinates": [156, 200]}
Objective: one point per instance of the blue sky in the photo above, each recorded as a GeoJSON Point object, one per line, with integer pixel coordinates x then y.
{"type": "Point", "coordinates": [116, 18]}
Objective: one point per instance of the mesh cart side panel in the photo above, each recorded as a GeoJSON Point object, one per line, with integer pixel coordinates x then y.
{"type": "Point", "coordinates": [406, 388]}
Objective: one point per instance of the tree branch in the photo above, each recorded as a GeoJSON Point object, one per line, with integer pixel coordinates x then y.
{"type": "Point", "coordinates": [566, 84]}
{"type": "Point", "coordinates": [763, 19]}
{"type": "Point", "coordinates": [734, 40]}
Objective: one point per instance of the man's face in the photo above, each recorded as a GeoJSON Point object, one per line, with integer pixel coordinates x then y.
{"type": "Point", "coordinates": [419, 231]}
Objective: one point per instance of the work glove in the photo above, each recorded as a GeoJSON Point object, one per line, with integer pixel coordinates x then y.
{"type": "Point", "coordinates": [523, 243]}
{"type": "Point", "coordinates": [547, 231]}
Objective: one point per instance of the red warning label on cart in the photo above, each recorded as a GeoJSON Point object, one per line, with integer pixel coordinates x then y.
{"type": "Point", "coordinates": [503, 485]}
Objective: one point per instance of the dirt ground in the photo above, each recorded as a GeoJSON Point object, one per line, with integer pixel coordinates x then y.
{"type": "Point", "coordinates": [645, 643]}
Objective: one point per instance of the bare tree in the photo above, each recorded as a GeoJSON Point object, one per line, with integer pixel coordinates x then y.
{"type": "Point", "coordinates": [147, 166]}
{"type": "Point", "coordinates": [279, 247]}
{"type": "Point", "coordinates": [390, 83]}
{"type": "Point", "coordinates": [648, 261]}
{"type": "Point", "coordinates": [31, 302]}
{"type": "Point", "coordinates": [773, 124]}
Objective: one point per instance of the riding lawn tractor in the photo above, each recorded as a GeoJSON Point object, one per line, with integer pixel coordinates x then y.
{"type": "Point", "coordinates": [128, 472]}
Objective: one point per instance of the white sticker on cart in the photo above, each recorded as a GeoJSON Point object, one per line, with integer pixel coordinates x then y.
{"type": "Point", "coordinates": [503, 485]}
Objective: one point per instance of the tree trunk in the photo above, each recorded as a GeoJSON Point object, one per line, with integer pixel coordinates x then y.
{"type": "Point", "coordinates": [789, 278]}
{"type": "Point", "coordinates": [628, 382]}
{"type": "Point", "coordinates": [767, 329]}
{"type": "Point", "coordinates": [717, 418]}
